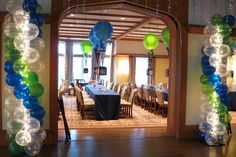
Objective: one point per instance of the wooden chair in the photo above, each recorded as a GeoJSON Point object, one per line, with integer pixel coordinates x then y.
{"type": "Point", "coordinates": [119, 88]}
{"type": "Point", "coordinates": [87, 105]}
{"type": "Point", "coordinates": [126, 107]}
{"type": "Point", "coordinates": [115, 87]}
{"type": "Point", "coordinates": [163, 105]}
{"type": "Point", "coordinates": [147, 97]}
{"type": "Point", "coordinates": [85, 97]}
{"type": "Point", "coordinates": [153, 102]}
{"type": "Point", "coordinates": [140, 97]}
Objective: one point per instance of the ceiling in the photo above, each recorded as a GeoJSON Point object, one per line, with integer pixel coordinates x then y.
{"type": "Point", "coordinates": [127, 25]}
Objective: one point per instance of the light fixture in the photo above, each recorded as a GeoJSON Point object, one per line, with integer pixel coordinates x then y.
{"type": "Point", "coordinates": [72, 15]}
{"type": "Point", "coordinates": [122, 18]}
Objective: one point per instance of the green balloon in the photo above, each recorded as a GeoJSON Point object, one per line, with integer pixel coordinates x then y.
{"type": "Point", "coordinates": [30, 77]}
{"type": "Point", "coordinates": [86, 47]}
{"type": "Point", "coordinates": [10, 137]}
{"type": "Point", "coordinates": [217, 19]}
{"type": "Point", "coordinates": [12, 54]}
{"type": "Point", "coordinates": [229, 41]}
{"type": "Point", "coordinates": [150, 41]}
{"type": "Point", "coordinates": [36, 89]}
{"type": "Point", "coordinates": [207, 89]}
{"type": "Point", "coordinates": [21, 66]}
{"type": "Point", "coordinates": [9, 43]}
{"type": "Point", "coordinates": [204, 79]}
{"type": "Point", "coordinates": [166, 36]}
{"type": "Point", "coordinates": [214, 99]}
{"type": "Point", "coordinates": [221, 109]}
{"type": "Point", "coordinates": [15, 149]}
{"type": "Point", "coordinates": [225, 119]}
{"type": "Point", "coordinates": [224, 29]}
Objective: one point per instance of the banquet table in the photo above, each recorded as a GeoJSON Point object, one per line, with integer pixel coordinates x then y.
{"type": "Point", "coordinates": [164, 91]}
{"type": "Point", "coordinates": [107, 102]}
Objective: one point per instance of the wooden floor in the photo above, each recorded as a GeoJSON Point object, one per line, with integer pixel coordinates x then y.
{"type": "Point", "coordinates": [149, 142]}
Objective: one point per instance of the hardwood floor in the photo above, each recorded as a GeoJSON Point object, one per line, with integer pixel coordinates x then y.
{"type": "Point", "coordinates": [150, 142]}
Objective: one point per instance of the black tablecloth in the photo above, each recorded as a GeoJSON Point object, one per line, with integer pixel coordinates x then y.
{"type": "Point", "coordinates": [107, 102]}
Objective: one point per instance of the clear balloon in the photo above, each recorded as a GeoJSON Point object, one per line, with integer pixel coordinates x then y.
{"type": "Point", "coordinates": [213, 118]}
{"type": "Point", "coordinates": [221, 70]}
{"type": "Point", "coordinates": [21, 114]}
{"type": "Point", "coordinates": [21, 17]}
{"type": "Point", "coordinates": [13, 5]}
{"type": "Point", "coordinates": [13, 126]}
{"type": "Point", "coordinates": [11, 30]}
{"type": "Point", "coordinates": [211, 138]}
{"type": "Point", "coordinates": [11, 103]}
{"type": "Point", "coordinates": [8, 90]}
{"type": "Point", "coordinates": [203, 116]}
{"type": "Point", "coordinates": [210, 30]}
{"type": "Point", "coordinates": [31, 55]}
{"type": "Point", "coordinates": [219, 128]}
{"type": "Point", "coordinates": [37, 66]}
{"type": "Point", "coordinates": [215, 60]}
{"type": "Point", "coordinates": [216, 40]}
{"type": "Point", "coordinates": [222, 139]}
{"type": "Point", "coordinates": [21, 42]}
{"type": "Point", "coordinates": [37, 43]}
{"type": "Point", "coordinates": [224, 50]}
{"type": "Point", "coordinates": [30, 30]}
{"type": "Point", "coordinates": [8, 18]}
{"type": "Point", "coordinates": [39, 135]}
{"type": "Point", "coordinates": [23, 138]}
{"type": "Point", "coordinates": [8, 115]}
{"type": "Point", "coordinates": [32, 125]}
{"type": "Point", "coordinates": [33, 148]}
{"type": "Point", "coordinates": [208, 50]}
{"type": "Point", "coordinates": [205, 127]}
{"type": "Point", "coordinates": [206, 108]}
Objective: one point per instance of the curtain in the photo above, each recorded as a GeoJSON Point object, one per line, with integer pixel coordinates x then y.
{"type": "Point", "coordinates": [69, 61]}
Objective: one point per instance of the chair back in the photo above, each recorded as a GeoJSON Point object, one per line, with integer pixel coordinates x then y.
{"type": "Point", "coordinates": [115, 87]}
{"type": "Point", "coordinates": [122, 93]}
{"type": "Point", "coordinates": [160, 97]}
{"type": "Point", "coordinates": [110, 86]}
{"type": "Point", "coordinates": [152, 93]}
{"type": "Point", "coordinates": [119, 88]}
{"type": "Point", "coordinates": [146, 94]}
{"type": "Point", "coordinates": [132, 94]}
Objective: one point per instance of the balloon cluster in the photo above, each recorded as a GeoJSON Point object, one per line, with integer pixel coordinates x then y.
{"type": "Point", "coordinates": [215, 118]}
{"type": "Point", "coordinates": [23, 44]}
{"type": "Point", "coordinates": [166, 36]}
{"type": "Point", "coordinates": [86, 48]}
{"type": "Point", "coordinates": [99, 35]}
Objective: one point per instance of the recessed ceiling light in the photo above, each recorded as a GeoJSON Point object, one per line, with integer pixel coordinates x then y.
{"type": "Point", "coordinates": [122, 18]}
{"type": "Point", "coordinates": [72, 15]}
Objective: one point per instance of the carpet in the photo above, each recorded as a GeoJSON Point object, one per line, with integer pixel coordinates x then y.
{"type": "Point", "coordinates": [141, 118]}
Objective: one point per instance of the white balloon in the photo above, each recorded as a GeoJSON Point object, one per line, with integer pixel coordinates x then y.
{"type": "Point", "coordinates": [31, 55]}
{"type": "Point", "coordinates": [33, 148]}
{"type": "Point", "coordinates": [211, 138]}
{"type": "Point", "coordinates": [215, 60]}
{"type": "Point", "coordinates": [21, 115]}
{"type": "Point", "coordinates": [37, 66]}
{"type": "Point", "coordinates": [216, 40]}
{"type": "Point", "coordinates": [11, 30]}
{"type": "Point", "coordinates": [39, 135]}
{"type": "Point", "coordinates": [13, 5]}
{"type": "Point", "coordinates": [37, 43]}
{"type": "Point", "coordinates": [23, 138]}
{"type": "Point", "coordinates": [212, 118]}
{"type": "Point", "coordinates": [21, 17]}
{"type": "Point", "coordinates": [206, 108]}
{"type": "Point", "coordinates": [219, 128]}
{"type": "Point", "coordinates": [21, 43]}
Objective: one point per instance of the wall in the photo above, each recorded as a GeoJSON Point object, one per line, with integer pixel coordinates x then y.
{"type": "Point", "coordinates": [136, 47]}
{"type": "Point", "coordinates": [160, 66]}
{"type": "Point", "coordinates": [122, 69]}
{"type": "Point", "coordinates": [43, 76]}
{"type": "Point", "coordinates": [193, 99]}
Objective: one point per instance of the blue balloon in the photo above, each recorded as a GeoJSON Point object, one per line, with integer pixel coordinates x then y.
{"type": "Point", "coordinates": [214, 79]}
{"type": "Point", "coordinates": [30, 5]}
{"type": "Point", "coordinates": [13, 79]}
{"type": "Point", "coordinates": [37, 19]}
{"type": "Point", "coordinates": [21, 91]}
{"type": "Point", "coordinates": [102, 30]}
{"type": "Point", "coordinates": [205, 60]}
{"type": "Point", "coordinates": [8, 67]}
{"type": "Point", "coordinates": [93, 40]}
{"type": "Point", "coordinates": [201, 136]}
{"type": "Point", "coordinates": [31, 102]}
{"type": "Point", "coordinates": [208, 70]}
{"type": "Point", "coordinates": [229, 19]}
{"type": "Point", "coordinates": [221, 89]}
{"type": "Point", "coordinates": [226, 99]}
{"type": "Point", "coordinates": [38, 112]}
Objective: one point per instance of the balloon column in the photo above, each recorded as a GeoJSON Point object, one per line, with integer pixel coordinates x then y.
{"type": "Point", "coordinates": [215, 119]}
{"type": "Point", "coordinates": [23, 110]}
{"type": "Point", "coordinates": [166, 36]}
{"type": "Point", "coordinates": [98, 36]}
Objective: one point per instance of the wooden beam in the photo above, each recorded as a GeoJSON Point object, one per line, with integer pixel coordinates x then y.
{"type": "Point", "coordinates": [92, 25]}
{"type": "Point", "coordinates": [141, 24]}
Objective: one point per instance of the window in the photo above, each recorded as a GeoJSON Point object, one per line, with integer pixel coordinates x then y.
{"type": "Point", "coordinates": [141, 66]}
{"type": "Point", "coordinates": [61, 62]}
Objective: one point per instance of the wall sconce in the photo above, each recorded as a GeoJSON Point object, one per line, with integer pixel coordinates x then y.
{"type": "Point", "coordinates": [166, 72]}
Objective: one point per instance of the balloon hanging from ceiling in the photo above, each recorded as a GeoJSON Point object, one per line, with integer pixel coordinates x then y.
{"type": "Point", "coordinates": [23, 110]}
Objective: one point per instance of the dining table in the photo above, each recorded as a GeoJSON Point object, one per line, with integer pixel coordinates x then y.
{"type": "Point", "coordinates": [107, 102]}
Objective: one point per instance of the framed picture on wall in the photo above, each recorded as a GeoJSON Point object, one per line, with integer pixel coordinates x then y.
{"type": "Point", "coordinates": [150, 72]}
{"type": "Point", "coordinates": [167, 72]}
{"type": "Point", "coordinates": [85, 70]}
